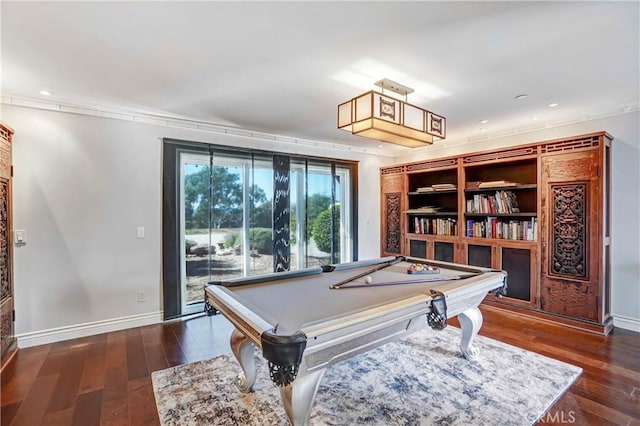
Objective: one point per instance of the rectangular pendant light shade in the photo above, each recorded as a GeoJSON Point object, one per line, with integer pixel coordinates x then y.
{"type": "Point", "coordinates": [376, 116]}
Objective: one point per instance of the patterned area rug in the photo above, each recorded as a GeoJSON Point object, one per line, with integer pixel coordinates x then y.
{"type": "Point", "coordinates": [420, 380]}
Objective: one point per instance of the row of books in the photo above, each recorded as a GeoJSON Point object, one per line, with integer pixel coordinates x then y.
{"type": "Point", "coordinates": [501, 202]}
{"type": "Point", "coordinates": [437, 187]}
{"type": "Point", "coordinates": [508, 230]}
{"type": "Point", "coordinates": [440, 226]}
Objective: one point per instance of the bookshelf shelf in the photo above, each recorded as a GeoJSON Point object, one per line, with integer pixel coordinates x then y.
{"type": "Point", "coordinates": [483, 240]}
{"type": "Point", "coordinates": [433, 214]}
{"type": "Point", "coordinates": [448, 191]}
{"type": "Point", "coordinates": [521, 214]}
{"type": "Point", "coordinates": [503, 188]}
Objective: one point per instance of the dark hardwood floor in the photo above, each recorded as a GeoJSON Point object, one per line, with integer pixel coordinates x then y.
{"type": "Point", "coordinates": [106, 379]}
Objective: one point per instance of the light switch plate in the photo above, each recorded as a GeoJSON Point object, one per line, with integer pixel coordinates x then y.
{"type": "Point", "coordinates": [20, 237]}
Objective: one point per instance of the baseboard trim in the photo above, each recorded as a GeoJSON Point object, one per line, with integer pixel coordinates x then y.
{"type": "Point", "coordinates": [59, 334]}
{"type": "Point", "coordinates": [627, 323]}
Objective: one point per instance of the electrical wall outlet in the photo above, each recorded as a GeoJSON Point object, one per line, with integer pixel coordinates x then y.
{"type": "Point", "coordinates": [141, 297]}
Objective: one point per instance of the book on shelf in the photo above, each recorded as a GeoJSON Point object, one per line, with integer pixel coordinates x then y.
{"type": "Point", "coordinates": [512, 201]}
{"type": "Point", "coordinates": [496, 183]}
{"type": "Point", "coordinates": [444, 187]}
{"type": "Point", "coordinates": [425, 189]}
{"type": "Point", "coordinates": [437, 187]}
{"type": "Point", "coordinates": [425, 209]}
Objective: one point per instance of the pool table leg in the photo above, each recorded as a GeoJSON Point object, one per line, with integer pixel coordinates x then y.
{"type": "Point", "coordinates": [298, 397]}
{"type": "Point", "coordinates": [470, 323]}
{"type": "Point", "coordinates": [243, 349]}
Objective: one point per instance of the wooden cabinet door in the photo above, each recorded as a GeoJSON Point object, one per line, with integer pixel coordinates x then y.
{"type": "Point", "coordinates": [569, 234]}
{"type": "Point", "coordinates": [518, 259]}
{"type": "Point", "coordinates": [391, 218]}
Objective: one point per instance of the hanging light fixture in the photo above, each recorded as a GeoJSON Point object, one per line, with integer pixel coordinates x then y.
{"type": "Point", "coordinates": [378, 116]}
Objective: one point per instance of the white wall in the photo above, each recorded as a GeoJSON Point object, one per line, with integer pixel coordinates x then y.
{"type": "Point", "coordinates": [82, 186]}
{"type": "Point", "coordinates": [625, 204]}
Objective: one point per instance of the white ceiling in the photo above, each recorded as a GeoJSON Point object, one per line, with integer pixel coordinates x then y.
{"type": "Point", "coordinates": [283, 67]}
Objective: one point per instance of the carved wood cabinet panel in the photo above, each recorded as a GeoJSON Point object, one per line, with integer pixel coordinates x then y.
{"type": "Point", "coordinates": [7, 333]}
{"type": "Point", "coordinates": [572, 212]}
{"type": "Point", "coordinates": [392, 188]}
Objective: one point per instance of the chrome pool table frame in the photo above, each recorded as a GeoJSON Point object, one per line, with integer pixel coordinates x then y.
{"type": "Point", "coordinates": [332, 341]}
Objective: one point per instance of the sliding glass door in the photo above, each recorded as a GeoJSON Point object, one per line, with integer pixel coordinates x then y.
{"type": "Point", "coordinates": [321, 213]}
{"type": "Point", "coordinates": [213, 205]}
{"type": "Point", "coordinates": [223, 217]}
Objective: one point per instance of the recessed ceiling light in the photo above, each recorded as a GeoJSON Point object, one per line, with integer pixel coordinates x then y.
{"type": "Point", "coordinates": [46, 92]}
{"type": "Point", "coordinates": [520, 97]}
{"type": "Point", "coordinates": [483, 129]}
{"type": "Point", "coordinates": [484, 121]}
{"type": "Point", "coordinates": [535, 117]}
{"type": "Point", "coordinates": [552, 105]}
{"type": "Point", "coordinates": [380, 146]}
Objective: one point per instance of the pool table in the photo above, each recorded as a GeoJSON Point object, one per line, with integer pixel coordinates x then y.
{"type": "Point", "coordinates": [303, 321]}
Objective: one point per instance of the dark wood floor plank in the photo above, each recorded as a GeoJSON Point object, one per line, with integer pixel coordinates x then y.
{"type": "Point", "coordinates": [136, 361]}
{"type": "Point", "coordinates": [69, 376]}
{"type": "Point", "coordinates": [151, 334]}
{"type": "Point", "coordinates": [52, 364]}
{"type": "Point", "coordinates": [32, 410]}
{"type": "Point", "coordinates": [59, 418]}
{"type": "Point", "coordinates": [23, 371]}
{"type": "Point", "coordinates": [27, 356]}
{"type": "Point", "coordinates": [156, 358]}
{"type": "Point", "coordinates": [142, 406]}
{"type": "Point", "coordinates": [8, 412]}
{"type": "Point", "coordinates": [115, 407]}
{"type": "Point", "coordinates": [171, 348]}
{"type": "Point", "coordinates": [99, 347]}
{"type": "Point", "coordinates": [213, 334]}
{"type": "Point", "coordinates": [570, 413]}
{"type": "Point", "coordinates": [619, 397]}
{"type": "Point", "coordinates": [619, 400]}
{"type": "Point", "coordinates": [204, 333]}
{"type": "Point", "coordinates": [600, 410]}
{"type": "Point", "coordinates": [189, 346]}
{"type": "Point", "coordinates": [88, 409]}
{"type": "Point", "coordinates": [93, 374]}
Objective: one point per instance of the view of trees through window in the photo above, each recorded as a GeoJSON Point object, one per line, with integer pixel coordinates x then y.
{"type": "Point", "coordinates": [227, 218]}
{"type": "Point", "coordinates": [225, 199]}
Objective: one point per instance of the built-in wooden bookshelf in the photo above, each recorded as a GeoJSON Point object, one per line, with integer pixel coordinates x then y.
{"type": "Point", "coordinates": [510, 209]}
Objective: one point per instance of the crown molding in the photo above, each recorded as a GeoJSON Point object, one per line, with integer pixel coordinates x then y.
{"type": "Point", "coordinates": [210, 127]}
{"type": "Point", "coordinates": [181, 123]}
